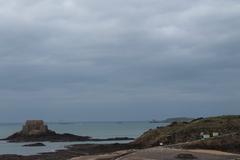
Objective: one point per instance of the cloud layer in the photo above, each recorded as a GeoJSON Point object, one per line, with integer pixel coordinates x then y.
{"type": "Point", "coordinates": [114, 59]}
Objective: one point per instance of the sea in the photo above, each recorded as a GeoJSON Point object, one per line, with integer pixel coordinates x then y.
{"type": "Point", "coordinates": [92, 129]}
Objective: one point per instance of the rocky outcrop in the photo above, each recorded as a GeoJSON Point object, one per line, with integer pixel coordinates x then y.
{"type": "Point", "coordinates": [37, 131]}
{"type": "Point", "coordinates": [34, 145]}
{"type": "Point", "coordinates": [185, 156]}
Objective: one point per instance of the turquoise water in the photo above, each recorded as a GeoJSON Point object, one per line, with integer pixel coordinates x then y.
{"type": "Point", "coordinates": [93, 129]}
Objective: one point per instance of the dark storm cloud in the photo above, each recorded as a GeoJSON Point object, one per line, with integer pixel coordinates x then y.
{"type": "Point", "coordinates": [162, 58]}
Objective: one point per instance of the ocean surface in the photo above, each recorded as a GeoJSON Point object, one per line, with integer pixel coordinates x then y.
{"type": "Point", "coordinates": [92, 129]}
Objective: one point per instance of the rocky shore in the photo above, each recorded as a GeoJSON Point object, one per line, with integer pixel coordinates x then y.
{"type": "Point", "coordinates": [37, 131]}
{"type": "Point", "coordinates": [177, 141]}
{"type": "Point", "coordinates": [73, 151]}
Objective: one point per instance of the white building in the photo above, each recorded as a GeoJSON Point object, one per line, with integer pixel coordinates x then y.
{"type": "Point", "coordinates": [206, 136]}
{"type": "Point", "coordinates": [215, 134]}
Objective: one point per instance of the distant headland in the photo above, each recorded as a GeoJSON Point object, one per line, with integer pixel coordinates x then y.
{"type": "Point", "coordinates": [219, 133]}
{"type": "Point", "coordinates": [170, 120]}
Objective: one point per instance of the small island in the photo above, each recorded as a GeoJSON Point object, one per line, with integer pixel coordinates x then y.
{"type": "Point", "coordinates": [37, 131]}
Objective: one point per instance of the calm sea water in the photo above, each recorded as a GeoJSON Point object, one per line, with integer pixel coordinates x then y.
{"type": "Point", "coordinates": [93, 129]}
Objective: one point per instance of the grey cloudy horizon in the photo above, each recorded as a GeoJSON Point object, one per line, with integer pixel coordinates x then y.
{"type": "Point", "coordinates": [73, 60]}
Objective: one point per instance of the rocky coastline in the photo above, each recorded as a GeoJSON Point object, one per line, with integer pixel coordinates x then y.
{"type": "Point", "coordinates": [37, 132]}
{"type": "Point", "coordinates": [183, 136]}
{"type": "Point", "coordinates": [73, 151]}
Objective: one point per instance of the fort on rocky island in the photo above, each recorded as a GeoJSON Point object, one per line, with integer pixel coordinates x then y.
{"type": "Point", "coordinates": [37, 131]}
{"type": "Point", "coordinates": [34, 127]}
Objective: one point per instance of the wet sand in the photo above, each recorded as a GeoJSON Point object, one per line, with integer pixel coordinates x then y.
{"type": "Point", "coordinates": [109, 156]}
{"type": "Point", "coordinates": [122, 152]}
{"type": "Point", "coordinates": [160, 153]}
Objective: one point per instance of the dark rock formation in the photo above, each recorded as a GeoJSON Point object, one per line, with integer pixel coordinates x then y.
{"type": "Point", "coordinates": [34, 145]}
{"type": "Point", "coordinates": [37, 131]}
{"type": "Point", "coordinates": [185, 156]}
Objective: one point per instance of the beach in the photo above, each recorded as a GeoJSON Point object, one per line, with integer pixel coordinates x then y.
{"type": "Point", "coordinates": [160, 153]}
{"type": "Point", "coordinates": [124, 152]}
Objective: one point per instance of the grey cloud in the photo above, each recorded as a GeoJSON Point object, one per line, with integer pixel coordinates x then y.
{"type": "Point", "coordinates": [87, 56]}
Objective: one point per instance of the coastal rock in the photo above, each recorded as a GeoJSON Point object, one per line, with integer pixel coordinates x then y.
{"type": "Point", "coordinates": [34, 145]}
{"type": "Point", "coordinates": [185, 156]}
{"type": "Point", "coordinates": [37, 131]}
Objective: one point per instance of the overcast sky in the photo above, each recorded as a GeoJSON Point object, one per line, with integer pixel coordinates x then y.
{"type": "Point", "coordinates": [82, 60]}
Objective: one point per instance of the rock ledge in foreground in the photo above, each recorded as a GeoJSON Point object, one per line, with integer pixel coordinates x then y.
{"type": "Point", "coordinates": [34, 145]}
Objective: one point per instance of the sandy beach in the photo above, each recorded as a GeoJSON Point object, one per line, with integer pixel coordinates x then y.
{"type": "Point", "coordinates": [160, 153]}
